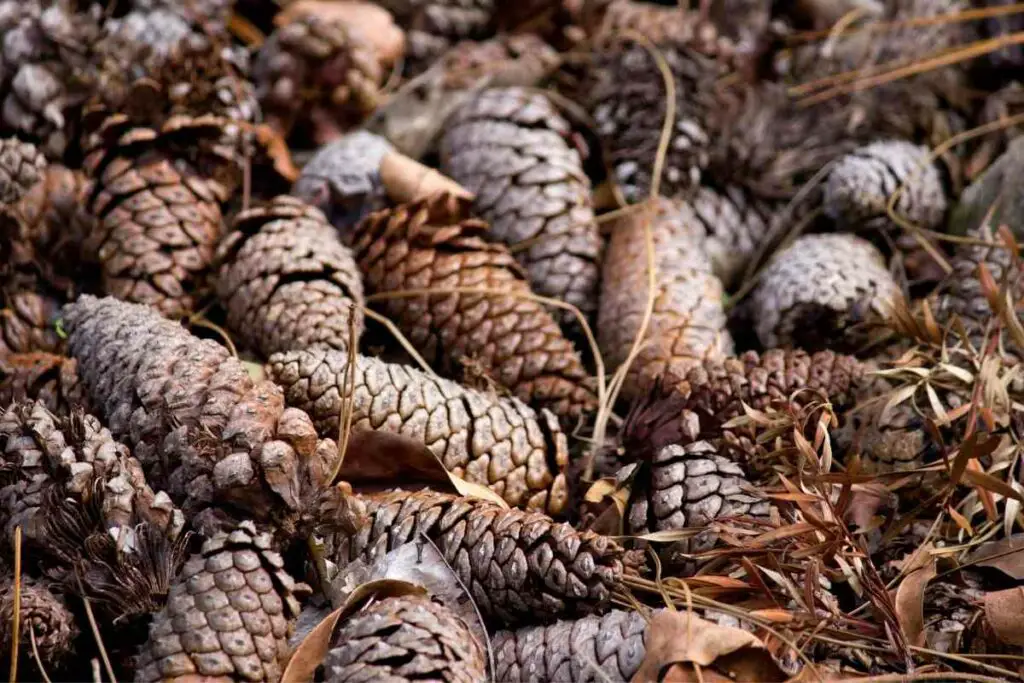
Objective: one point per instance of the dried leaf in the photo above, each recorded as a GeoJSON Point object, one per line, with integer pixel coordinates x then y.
{"type": "Point", "coordinates": [1006, 555]}
{"type": "Point", "coordinates": [1003, 611]}
{"type": "Point", "coordinates": [277, 149]}
{"type": "Point", "coordinates": [909, 599]}
{"type": "Point", "coordinates": [990, 483]}
{"type": "Point", "coordinates": [311, 651]}
{"type": "Point", "coordinates": [407, 180]}
{"type": "Point", "coordinates": [899, 396]}
{"type": "Point", "coordinates": [678, 642]}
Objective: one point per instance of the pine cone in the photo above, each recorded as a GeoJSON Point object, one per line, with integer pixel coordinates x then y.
{"type": "Point", "coordinates": [26, 324]}
{"type": "Point", "coordinates": [76, 456]}
{"type": "Point", "coordinates": [406, 638]}
{"type": "Point", "coordinates": [228, 616]}
{"type": "Point", "coordinates": [607, 20]}
{"type": "Point", "coordinates": [511, 148]}
{"type": "Point", "coordinates": [568, 651]}
{"type": "Point", "coordinates": [860, 185]}
{"type": "Point", "coordinates": [432, 26]}
{"type": "Point", "coordinates": [44, 377]}
{"type": "Point", "coordinates": [343, 178]}
{"type": "Point", "coordinates": [21, 167]}
{"type": "Point", "coordinates": [43, 613]}
{"type": "Point", "coordinates": [497, 442]}
{"type": "Point", "coordinates": [44, 70]}
{"type": "Point", "coordinates": [811, 293]}
{"type": "Point", "coordinates": [433, 244]}
{"type": "Point", "coordinates": [316, 69]}
{"type": "Point", "coordinates": [518, 566]}
{"type": "Point", "coordinates": [286, 280]}
{"type": "Point", "coordinates": [204, 431]}
{"type": "Point", "coordinates": [158, 218]}
{"type": "Point", "coordinates": [687, 324]}
{"type": "Point", "coordinates": [521, 59]}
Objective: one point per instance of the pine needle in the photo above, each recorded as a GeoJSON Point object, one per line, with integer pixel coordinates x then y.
{"type": "Point", "coordinates": [95, 630]}
{"type": "Point", "coordinates": [35, 654]}
{"type": "Point", "coordinates": [16, 618]}
{"type": "Point", "coordinates": [401, 339]}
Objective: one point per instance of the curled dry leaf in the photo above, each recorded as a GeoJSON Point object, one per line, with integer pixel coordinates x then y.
{"type": "Point", "coordinates": [909, 598]}
{"type": "Point", "coordinates": [1003, 611]}
{"type": "Point", "coordinates": [371, 21]}
{"type": "Point", "coordinates": [681, 644]}
{"type": "Point", "coordinates": [407, 180]}
{"type": "Point", "coordinates": [1006, 555]}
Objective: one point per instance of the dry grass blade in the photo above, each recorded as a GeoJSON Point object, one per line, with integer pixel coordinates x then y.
{"type": "Point", "coordinates": [347, 403]}
{"type": "Point", "coordinates": [401, 339]}
{"type": "Point", "coordinates": [16, 617]}
{"type": "Point", "coordinates": [95, 630]}
{"type": "Point", "coordinates": [35, 653]}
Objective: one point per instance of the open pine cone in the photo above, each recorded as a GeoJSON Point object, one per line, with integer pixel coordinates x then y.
{"type": "Point", "coordinates": [44, 613]}
{"type": "Point", "coordinates": [27, 323]}
{"type": "Point", "coordinates": [45, 377]}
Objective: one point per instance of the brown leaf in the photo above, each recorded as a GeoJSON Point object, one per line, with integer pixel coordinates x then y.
{"type": "Point", "coordinates": [276, 149]}
{"type": "Point", "coordinates": [407, 180]}
{"type": "Point", "coordinates": [369, 21]}
{"type": "Point", "coordinates": [1006, 555]}
{"type": "Point", "coordinates": [1003, 611]}
{"type": "Point", "coordinates": [866, 502]}
{"type": "Point", "coordinates": [679, 642]}
{"type": "Point", "coordinates": [311, 651]}
{"type": "Point", "coordinates": [909, 600]}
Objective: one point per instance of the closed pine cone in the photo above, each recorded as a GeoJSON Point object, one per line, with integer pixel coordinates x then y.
{"type": "Point", "coordinates": [812, 292]}
{"type": "Point", "coordinates": [567, 651]}
{"type": "Point", "coordinates": [78, 457]}
{"type": "Point", "coordinates": [27, 323]}
{"type": "Point", "coordinates": [21, 167]}
{"type": "Point", "coordinates": [44, 614]}
{"type": "Point", "coordinates": [204, 431]}
{"type": "Point", "coordinates": [433, 244]}
{"type": "Point", "coordinates": [404, 638]}
{"type": "Point", "coordinates": [519, 567]}
{"type": "Point", "coordinates": [860, 185]}
{"type": "Point", "coordinates": [228, 616]}
{"type": "Point", "coordinates": [315, 69]}
{"type": "Point", "coordinates": [432, 26]}
{"type": "Point", "coordinates": [607, 20]}
{"type": "Point", "coordinates": [157, 217]}
{"type": "Point", "coordinates": [485, 439]}
{"type": "Point", "coordinates": [511, 148]}
{"type": "Point", "coordinates": [687, 323]}
{"type": "Point", "coordinates": [45, 377]}
{"type": "Point", "coordinates": [286, 280]}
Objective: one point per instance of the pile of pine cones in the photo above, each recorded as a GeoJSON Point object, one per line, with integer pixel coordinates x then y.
{"type": "Point", "coordinates": [591, 303]}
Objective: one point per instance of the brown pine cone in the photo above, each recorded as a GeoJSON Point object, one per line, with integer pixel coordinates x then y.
{"type": "Point", "coordinates": [43, 613]}
{"type": "Point", "coordinates": [519, 567]}
{"type": "Point", "coordinates": [814, 291]}
{"type": "Point", "coordinates": [687, 325]}
{"type": "Point", "coordinates": [77, 456]}
{"type": "Point", "coordinates": [314, 69]}
{"type": "Point", "coordinates": [432, 26]}
{"type": "Point", "coordinates": [485, 439]}
{"type": "Point", "coordinates": [512, 149]}
{"type": "Point", "coordinates": [569, 651]}
{"type": "Point", "coordinates": [45, 377]}
{"type": "Point", "coordinates": [158, 218]}
{"type": "Point", "coordinates": [405, 638]}
{"type": "Point", "coordinates": [21, 167]}
{"type": "Point", "coordinates": [27, 323]}
{"type": "Point", "coordinates": [433, 244]}
{"type": "Point", "coordinates": [287, 282]}
{"type": "Point", "coordinates": [228, 615]}
{"type": "Point", "coordinates": [203, 430]}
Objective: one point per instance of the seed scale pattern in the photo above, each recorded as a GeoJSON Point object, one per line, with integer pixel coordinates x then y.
{"type": "Point", "coordinates": [485, 439]}
{"type": "Point", "coordinates": [45, 377]}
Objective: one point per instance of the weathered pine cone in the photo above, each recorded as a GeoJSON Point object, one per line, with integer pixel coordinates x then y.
{"type": "Point", "coordinates": [287, 282]}
{"type": "Point", "coordinates": [228, 615]}
{"type": "Point", "coordinates": [404, 638]}
{"type": "Point", "coordinates": [860, 185]}
{"type": "Point", "coordinates": [343, 178]}
{"type": "Point", "coordinates": [43, 613]}
{"type": "Point", "coordinates": [434, 25]}
{"type": "Point", "coordinates": [511, 148]}
{"type": "Point", "coordinates": [77, 456]}
{"type": "Point", "coordinates": [814, 291]}
{"type": "Point", "coordinates": [519, 567]}
{"type": "Point", "coordinates": [45, 377]}
{"type": "Point", "coordinates": [315, 69]}
{"type": "Point", "coordinates": [21, 167]}
{"type": "Point", "coordinates": [567, 651]}
{"type": "Point", "coordinates": [485, 439]}
{"type": "Point", "coordinates": [607, 20]}
{"type": "Point", "coordinates": [687, 324]}
{"type": "Point", "coordinates": [27, 323]}
{"type": "Point", "coordinates": [203, 430]}
{"type": "Point", "coordinates": [433, 244]}
{"type": "Point", "coordinates": [157, 217]}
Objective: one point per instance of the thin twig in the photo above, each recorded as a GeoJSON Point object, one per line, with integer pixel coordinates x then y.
{"type": "Point", "coordinates": [401, 339]}
{"type": "Point", "coordinates": [16, 619]}
{"type": "Point", "coordinates": [958, 17]}
{"type": "Point", "coordinates": [35, 653]}
{"type": "Point", "coordinates": [95, 630]}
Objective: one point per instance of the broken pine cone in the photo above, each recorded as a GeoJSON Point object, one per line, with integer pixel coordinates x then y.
{"type": "Point", "coordinates": [228, 616]}
{"type": "Point", "coordinates": [815, 291]}
{"type": "Point", "coordinates": [27, 323]}
{"type": "Point", "coordinates": [43, 614]}
{"type": "Point", "coordinates": [433, 244]}
{"type": "Point", "coordinates": [404, 638]}
{"type": "Point", "coordinates": [519, 567]}
{"type": "Point", "coordinates": [861, 185]}
{"type": "Point", "coordinates": [687, 323]}
{"type": "Point", "coordinates": [512, 149]}
{"type": "Point", "coordinates": [586, 650]}
{"type": "Point", "coordinates": [45, 377]}
{"type": "Point", "coordinates": [480, 437]}
{"type": "Point", "coordinates": [203, 429]}
{"type": "Point", "coordinates": [157, 216]}
{"type": "Point", "coordinates": [287, 282]}
{"type": "Point", "coordinates": [21, 167]}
